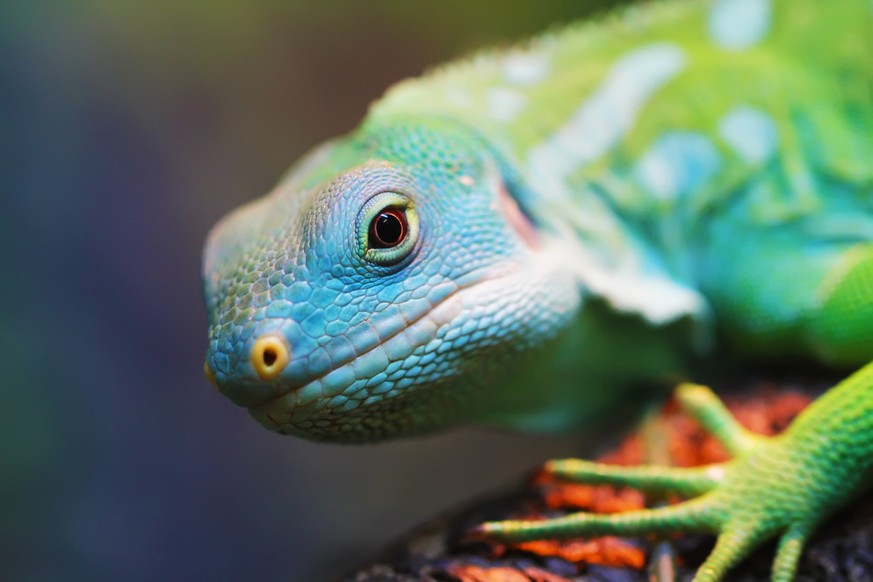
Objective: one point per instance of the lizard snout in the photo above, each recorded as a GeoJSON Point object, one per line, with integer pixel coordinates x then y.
{"type": "Point", "coordinates": [249, 377]}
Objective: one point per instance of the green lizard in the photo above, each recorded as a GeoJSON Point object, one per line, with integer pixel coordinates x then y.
{"type": "Point", "coordinates": [527, 237]}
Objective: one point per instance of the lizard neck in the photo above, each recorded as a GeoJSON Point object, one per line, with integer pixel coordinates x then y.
{"type": "Point", "coordinates": [629, 134]}
{"type": "Point", "coordinates": [557, 108]}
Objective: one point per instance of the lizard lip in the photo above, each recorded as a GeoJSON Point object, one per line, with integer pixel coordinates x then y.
{"type": "Point", "coordinates": [400, 344]}
{"type": "Point", "coordinates": [419, 329]}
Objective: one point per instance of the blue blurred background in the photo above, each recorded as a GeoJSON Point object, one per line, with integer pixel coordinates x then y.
{"type": "Point", "coordinates": [128, 129]}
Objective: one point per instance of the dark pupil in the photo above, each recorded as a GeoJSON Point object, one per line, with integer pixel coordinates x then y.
{"type": "Point", "coordinates": [388, 228]}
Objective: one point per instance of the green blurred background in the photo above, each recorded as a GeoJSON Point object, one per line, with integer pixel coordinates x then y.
{"type": "Point", "coordinates": [128, 128]}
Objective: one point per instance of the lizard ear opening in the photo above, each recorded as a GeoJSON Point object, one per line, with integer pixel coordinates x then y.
{"type": "Point", "coordinates": [516, 199]}
{"type": "Point", "coordinates": [517, 219]}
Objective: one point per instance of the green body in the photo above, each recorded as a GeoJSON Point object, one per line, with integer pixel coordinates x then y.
{"type": "Point", "coordinates": [582, 217]}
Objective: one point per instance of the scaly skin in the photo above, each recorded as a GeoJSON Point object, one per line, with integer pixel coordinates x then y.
{"type": "Point", "coordinates": [570, 221]}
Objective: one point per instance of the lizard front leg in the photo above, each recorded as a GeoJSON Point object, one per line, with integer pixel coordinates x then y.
{"type": "Point", "coordinates": [781, 486]}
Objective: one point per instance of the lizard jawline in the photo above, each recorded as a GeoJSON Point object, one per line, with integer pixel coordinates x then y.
{"type": "Point", "coordinates": [438, 315]}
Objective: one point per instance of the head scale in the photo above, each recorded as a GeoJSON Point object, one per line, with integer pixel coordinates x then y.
{"type": "Point", "coordinates": [383, 288]}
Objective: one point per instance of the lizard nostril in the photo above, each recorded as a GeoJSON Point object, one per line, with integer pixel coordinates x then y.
{"type": "Point", "coordinates": [269, 356]}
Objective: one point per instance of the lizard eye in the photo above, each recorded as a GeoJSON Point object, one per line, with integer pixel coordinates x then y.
{"type": "Point", "coordinates": [387, 228]}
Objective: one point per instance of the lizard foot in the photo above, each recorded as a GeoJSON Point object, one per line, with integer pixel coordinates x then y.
{"type": "Point", "coordinates": [771, 488]}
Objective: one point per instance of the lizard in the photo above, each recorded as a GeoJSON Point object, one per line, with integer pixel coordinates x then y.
{"type": "Point", "coordinates": [536, 236]}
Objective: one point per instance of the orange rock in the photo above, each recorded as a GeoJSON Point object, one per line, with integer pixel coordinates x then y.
{"type": "Point", "coordinates": [606, 551]}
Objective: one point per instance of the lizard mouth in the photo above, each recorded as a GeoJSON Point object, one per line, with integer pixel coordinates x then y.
{"type": "Point", "coordinates": [361, 375]}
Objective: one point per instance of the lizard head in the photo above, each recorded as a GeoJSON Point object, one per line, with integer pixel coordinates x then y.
{"type": "Point", "coordinates": [383, 288]}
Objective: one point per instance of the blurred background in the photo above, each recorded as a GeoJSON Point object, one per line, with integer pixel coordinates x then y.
{"type": "Point", "coordinates": [128, 128]}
